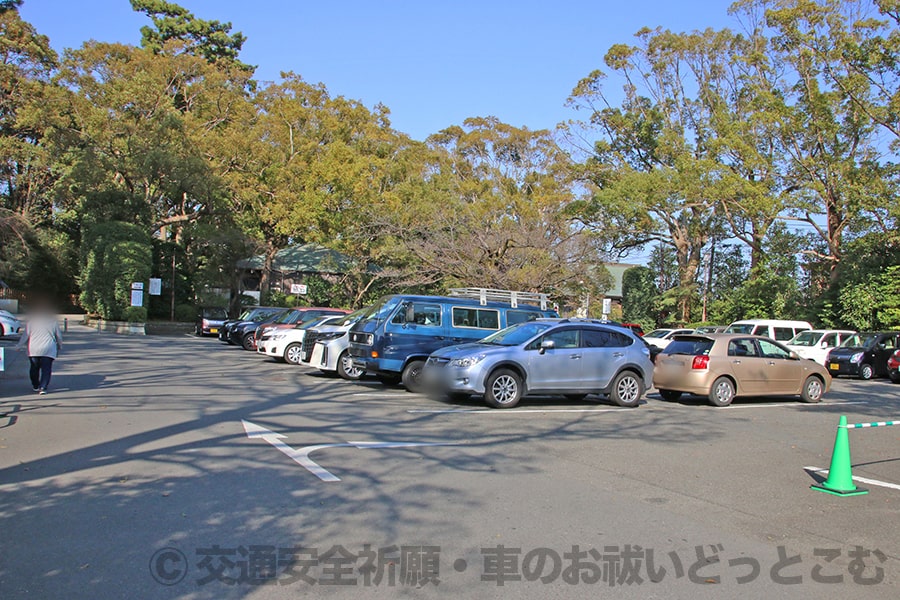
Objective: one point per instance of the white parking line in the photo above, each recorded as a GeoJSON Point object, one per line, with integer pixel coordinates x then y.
{"type": "Point", "coordinates": [798, 405]}
{"type": "Point", "coordinates": [385, 394]}
{"type": "Point", "coordinates": [494, 411]}
{"type": "Point", "coordinates": [865, 480]}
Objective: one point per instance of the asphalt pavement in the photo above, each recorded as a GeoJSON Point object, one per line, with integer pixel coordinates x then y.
{"type": "Point", "coordinates": [179, 467]}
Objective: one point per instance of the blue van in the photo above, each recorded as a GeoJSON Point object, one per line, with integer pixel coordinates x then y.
{"type": "Point", "coordinates": [394, 339]}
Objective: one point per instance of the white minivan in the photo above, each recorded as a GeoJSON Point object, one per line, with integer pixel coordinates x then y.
{"type": "Point", "coordinates": [774, 329]}
{"type": "Point", "coordinates": [815, 344]}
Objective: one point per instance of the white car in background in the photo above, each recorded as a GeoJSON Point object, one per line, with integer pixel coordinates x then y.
{"type": "Point", "coordinates": [815, 344]}
{"type": "Point", "coordinates": [9, 324]}
{"type": "Point", "coordinates": [286, 345]}
{"type": "Point", "coordinates": [326, 347]}
{"type": "Point", "coordinates": [661, 337]}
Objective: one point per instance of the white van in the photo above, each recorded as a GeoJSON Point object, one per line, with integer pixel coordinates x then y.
{"type": "Point", "coordinates": [815, 344]}
{"type": "Point", "coordinates": [774, 329]}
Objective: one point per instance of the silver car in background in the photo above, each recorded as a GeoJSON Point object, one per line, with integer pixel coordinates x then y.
{"type": "Point", "coordinates": [571, 357]}
{"type": "Point", "coordinates": [325, 347]}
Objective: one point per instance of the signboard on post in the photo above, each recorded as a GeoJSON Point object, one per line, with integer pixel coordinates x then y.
{"type": "Point", "coordinates": [607, 306]}
{"type": "Point", "coordinates": [155, 286]}
{"type": "Point", "coordinates": [137, 293]}
{"type": "Point", "coordinates": [299, 288]}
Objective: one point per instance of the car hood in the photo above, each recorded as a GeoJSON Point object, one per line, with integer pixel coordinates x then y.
{"type": "Point", "coordinates": [461, 350]}
{"type": "Point", "coordinates": [846, 351]}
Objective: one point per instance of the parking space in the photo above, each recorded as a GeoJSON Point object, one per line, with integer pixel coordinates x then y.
{"type": "Point", "coordinates": [186, 443]}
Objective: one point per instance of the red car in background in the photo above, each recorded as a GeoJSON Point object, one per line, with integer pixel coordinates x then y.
{"type": "Point", "coordinates": [293, 318]}
{"type": "Point", "coordinates": [636, 328]}
{"type": "Point", "coordinates": [893, 366]}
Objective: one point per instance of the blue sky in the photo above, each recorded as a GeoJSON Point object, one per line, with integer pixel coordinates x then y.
{"type": "Point", "coordinates": [433, 63]}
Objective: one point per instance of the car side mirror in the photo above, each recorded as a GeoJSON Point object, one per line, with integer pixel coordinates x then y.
{"type": "Point", "coordinates": [823, 344]}
{"type": "Point", "coordinates": [547, 345]}
{"type": "Point", "coordinates": [794, 355]}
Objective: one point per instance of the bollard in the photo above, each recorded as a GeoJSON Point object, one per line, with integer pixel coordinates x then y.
{"type": "Point", "coordinates": [66, 325]}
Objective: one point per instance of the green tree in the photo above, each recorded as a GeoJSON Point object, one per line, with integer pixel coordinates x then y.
{"type": "Point", "coordinates": [212, 40]}
{"type": "Point", "coordinates": [639, 297]}
{"type": "Point", "coordinates": [114, 255]}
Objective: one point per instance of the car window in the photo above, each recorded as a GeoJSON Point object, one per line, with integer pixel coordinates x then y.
{"type": "Point", "coordinates": [770, 350]}
{"type": "Point", "coordinates": [561, 338]}
{"type": "Point", "coordinates": [658, 333]}
{"type": "Point", "coordinates": [690, 345]}
{"type": "Point", "coordinates": [741, 347]}
{"type": "Point", "coordinates": [603, 338]}
{"type": "Point", "coordinates": [520, 316]}
{"type": "Point", "coordinates": [783, 334]}
{"type": "Point", "coordinates": [888, 342]}
{"type": "Point", "coordinates": [428, 315]}
{"type": "Point", "coordinates": [478, 318]}
{"type": "Point", "coordinates": [830, 340]}
{"type": "Point", "coordinates": [761, 330]}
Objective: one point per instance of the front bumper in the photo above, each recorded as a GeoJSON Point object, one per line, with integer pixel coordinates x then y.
{"type": "Point", "coordinates": [842, 367]}
{"type": "Point", "coordinates": [439, 376]}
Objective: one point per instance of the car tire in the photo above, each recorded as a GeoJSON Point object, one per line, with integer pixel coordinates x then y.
{"type": "Point", "coordinates": [292, 353]}
{"type": "Point", "coordinates": [412, 374]}
{"type": "Point", "coordinates": [248, 342]}
{"type": "Point", "coordinates": [627, 389]}
{"type": "Point", "coordinates": [669, 395]}
{"type": "Point", "coordinates": [503, 389]}
{"type": "Point", "coordinates": [895, 377]}
{"type": "Point", "coordinates": [345, 368]}
{"type": "Point", "coordinates": [722, 392]}
{"type": "Point", "coordinates": [813, 388]}
{"type": "Point", "coordinates": [866, 371]}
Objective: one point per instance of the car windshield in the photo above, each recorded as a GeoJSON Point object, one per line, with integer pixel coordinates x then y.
{"type": "Point", "coordinates": [288, 316]}
{"type": "Point", "coordinates": [245, 315]}
{"type": "Point", "coordinates": [692, 346]}
{"type": "Point", "coordinates": [516, 334]}
{"type": "Point", "coordinates": [860, 340]}
{"type": "Point", "coordinates": [353, 317]}
{"type": "Point", "coordinates": [743, 328]}
{"type": "Point", "coordinates": [806, 338]}
{"type": "Point", "coordinates": [381, 309]}
{"type": "Point", "coordinates": [658, 333]}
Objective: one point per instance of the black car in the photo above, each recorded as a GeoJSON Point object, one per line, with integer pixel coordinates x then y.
{"type": "Point", "coordinates": [253, 314]}
{"type": "Point", "coordinates": [863, 355]}
{"type": "Point", "coordinates": [243, 333]}
{"type": "Point", "coordinates": [210, 320]}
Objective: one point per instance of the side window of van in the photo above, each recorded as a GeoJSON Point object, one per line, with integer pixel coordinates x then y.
{"type": "Point", "coordinates": [761, 330]}
{"type": "Point", "coordinates": [830, 340]}
{"type": "Point", "coordinates": [783, 334]}
{"type": "Point", "coordinates": [478, 318]}
{"type": "Point", "coordinates": [419, 314]}
{"type": "Point", "coordinates": [520, 316]}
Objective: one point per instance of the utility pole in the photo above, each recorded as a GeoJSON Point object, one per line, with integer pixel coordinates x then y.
{"type": "Point", "coordinates": [172, 313]}
{"type": "Point", "coordinates": [709, 277]}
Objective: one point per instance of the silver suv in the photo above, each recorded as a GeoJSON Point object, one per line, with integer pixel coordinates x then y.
{"type": "Point", "coordinates": [570, 357]}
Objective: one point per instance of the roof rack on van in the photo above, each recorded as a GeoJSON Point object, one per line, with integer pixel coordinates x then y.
{"type": "Point", "coordinates": [485, 295]}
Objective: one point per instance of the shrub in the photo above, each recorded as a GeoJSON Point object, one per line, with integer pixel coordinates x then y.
{"type": "Point", "coordinates": [185, 313]}
{"type": "Point", "coordinates": [135, 314]}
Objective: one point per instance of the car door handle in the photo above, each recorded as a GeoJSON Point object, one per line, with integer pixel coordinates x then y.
{"type": "Point", "coordinates": [737, 362]}
{"type": "Point", "coordinates": [575, 356]}
{"type": "Point", "coordinates": [618, 354]}
{"type": "Point", "coordinates": [438, 337]}
{"type": "Point", "coordinates": [772, 363]}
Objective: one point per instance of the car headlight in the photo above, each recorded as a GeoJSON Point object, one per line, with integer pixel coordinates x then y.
{"type": "Point", "coordinates": [468, 361]}
{"type": "Point", "coordinates": [857, 357]}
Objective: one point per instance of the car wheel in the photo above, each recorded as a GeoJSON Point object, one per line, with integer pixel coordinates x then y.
{"type": "Point", "coordinates": [627, 389]}
{"type": "Point", "coordinates": [292, 353]}
{"type": "Point", "coordinates": [248, 342]}
{"type": "Point", "coordinates": [670, 395]}
{"type": "Point", "coordinates": [345, 368]}
{"type": "Point", "coordinates": [575, 397]}
{"type": "Point", "coordinates": [503, 389]}
{"type": "Point", "coordinates": [865, 371]}
{"type": "Point", "coordinates": [813, 388]}
{"type": "Point", "coordinates": [895, 376]}
{"type": "Point", "coordinates": [412, 375]}
{"type": "Point", "coordinates": [722, 392]}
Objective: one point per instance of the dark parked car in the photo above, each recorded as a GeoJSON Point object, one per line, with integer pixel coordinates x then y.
{"type": "Point", "coordinates": [209, 320]}
{"type": "Point", "coordinates": [293, 318]}
{"type": "Point", "coordinates": [863, 355]}
{"type": "Point", "coordinates": [253, 315]}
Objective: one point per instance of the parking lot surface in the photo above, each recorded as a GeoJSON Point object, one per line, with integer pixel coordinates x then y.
{"type": "Point", "coordinates": [179, 467]}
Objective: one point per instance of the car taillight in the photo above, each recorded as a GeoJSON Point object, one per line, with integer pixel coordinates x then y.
{"type": "Point", "coordinates": [205, 323]}
{"type": "Point", "coordinates": [700, 362]}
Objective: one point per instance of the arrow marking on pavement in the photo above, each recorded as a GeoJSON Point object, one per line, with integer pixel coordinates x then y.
{"type": "Point", "coordinates": [301, 455]}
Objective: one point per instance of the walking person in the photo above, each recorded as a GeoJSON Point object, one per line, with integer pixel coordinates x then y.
{"type": "Point", "coordinates": [44, 341]}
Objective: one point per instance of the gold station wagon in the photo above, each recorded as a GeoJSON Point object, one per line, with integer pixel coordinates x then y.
{"type": "Point", "coordinates": [723, 366]}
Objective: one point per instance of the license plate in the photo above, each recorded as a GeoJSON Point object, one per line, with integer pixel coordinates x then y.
{"type": "Point", "coordinates": [214, 330]}
{"type": "Point", "coordinates": [834, 366]}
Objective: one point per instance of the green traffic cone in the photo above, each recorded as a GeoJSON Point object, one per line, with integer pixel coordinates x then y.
{"type": "Point", "coordinates": [840, 477]}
